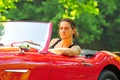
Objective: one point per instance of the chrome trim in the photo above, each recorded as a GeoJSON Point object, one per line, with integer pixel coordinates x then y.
{"type": "Point", "coordinates": [17, 70]}
{"type": "Point", "coordinates": [86, 64]}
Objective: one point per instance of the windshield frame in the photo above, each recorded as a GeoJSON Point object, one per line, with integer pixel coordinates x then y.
{"type": "Point", "coordinates": [48, 32]}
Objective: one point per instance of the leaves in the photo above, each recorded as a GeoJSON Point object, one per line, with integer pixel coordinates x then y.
{"type": "Point", "coordinates": [75, 8]}
{"type": "Point", "coordinates": [4, 6]}
{"type": "Point", "coordinates": [97, 21]}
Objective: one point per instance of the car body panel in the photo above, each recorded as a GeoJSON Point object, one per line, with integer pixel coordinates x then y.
{"type": "Point", "coordinates": [76, 68]}
{"type": "Point", "coordinates": [27, 66]}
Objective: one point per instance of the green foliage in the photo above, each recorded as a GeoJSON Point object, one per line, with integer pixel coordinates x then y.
{"type": "Point", "coordinates": [4, 6]}
{"type": "Point", "coordinates": [1, 30]}
{"type": "Point", "coordinates": [109, 22]}
{"type": "Point", "coordinates": [74, 9]}
{"type": "Point", "coordinates": [97, 21]}
{"type": "Point", "coordinates": [88, 28]}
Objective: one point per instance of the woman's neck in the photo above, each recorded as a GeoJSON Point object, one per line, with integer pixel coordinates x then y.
{"type": "Point", "coordinates": [66, 42]}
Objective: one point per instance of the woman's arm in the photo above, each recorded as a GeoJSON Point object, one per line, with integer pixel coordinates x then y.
{"type": "Point", "coordinates": [73, 51]}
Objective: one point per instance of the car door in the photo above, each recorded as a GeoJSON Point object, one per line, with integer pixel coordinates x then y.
{"type": "Point", "coordinates": [66, 68]}
{"type": "Point", "coordinates": [27, 66]}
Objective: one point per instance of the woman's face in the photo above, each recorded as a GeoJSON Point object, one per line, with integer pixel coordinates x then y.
{"type": "Point", "coordinates": [65, 30]}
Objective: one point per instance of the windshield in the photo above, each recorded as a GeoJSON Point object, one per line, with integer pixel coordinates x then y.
{"type": "Point", "coordinates": [35, 32]}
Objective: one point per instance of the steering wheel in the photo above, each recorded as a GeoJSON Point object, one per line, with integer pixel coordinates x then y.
{"type": "Point", "coordinates": [25, 45]}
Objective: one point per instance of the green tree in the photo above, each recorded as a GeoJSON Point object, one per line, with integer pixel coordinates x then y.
{"type": "Point", "coordinates": [4, 6]}
{"type": "Point", "coordinates": [98, 28]}
{"type": "Point", "coordinates": [74, 9]}
{"type": "Point", "coordinates": [53, 10]}
{"type": "Point", "coordinates": [109, 20]}
{"type": "Point", "coordinates": [105, 27]}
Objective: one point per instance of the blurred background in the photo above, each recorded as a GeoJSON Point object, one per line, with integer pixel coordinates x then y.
{"type": "Point", "coordinates": [98, 21]}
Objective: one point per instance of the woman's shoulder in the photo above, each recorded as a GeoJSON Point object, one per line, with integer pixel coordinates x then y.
{"type": "Point", "coordinates": [53, 41]}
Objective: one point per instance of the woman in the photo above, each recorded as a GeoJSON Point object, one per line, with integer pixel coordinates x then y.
{"type": "Point", "coordinates": [65, 45]}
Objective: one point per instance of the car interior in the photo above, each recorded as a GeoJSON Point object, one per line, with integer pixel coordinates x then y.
{"type": "Point", "coordinates": [88, 53]}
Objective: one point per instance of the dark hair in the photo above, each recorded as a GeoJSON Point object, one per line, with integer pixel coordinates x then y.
{"type": "Point", "coordinates": [73, 25]}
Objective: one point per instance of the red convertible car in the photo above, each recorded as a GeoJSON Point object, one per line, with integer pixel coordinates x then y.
{"type": "Point", "coordinates": [24, 55]}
